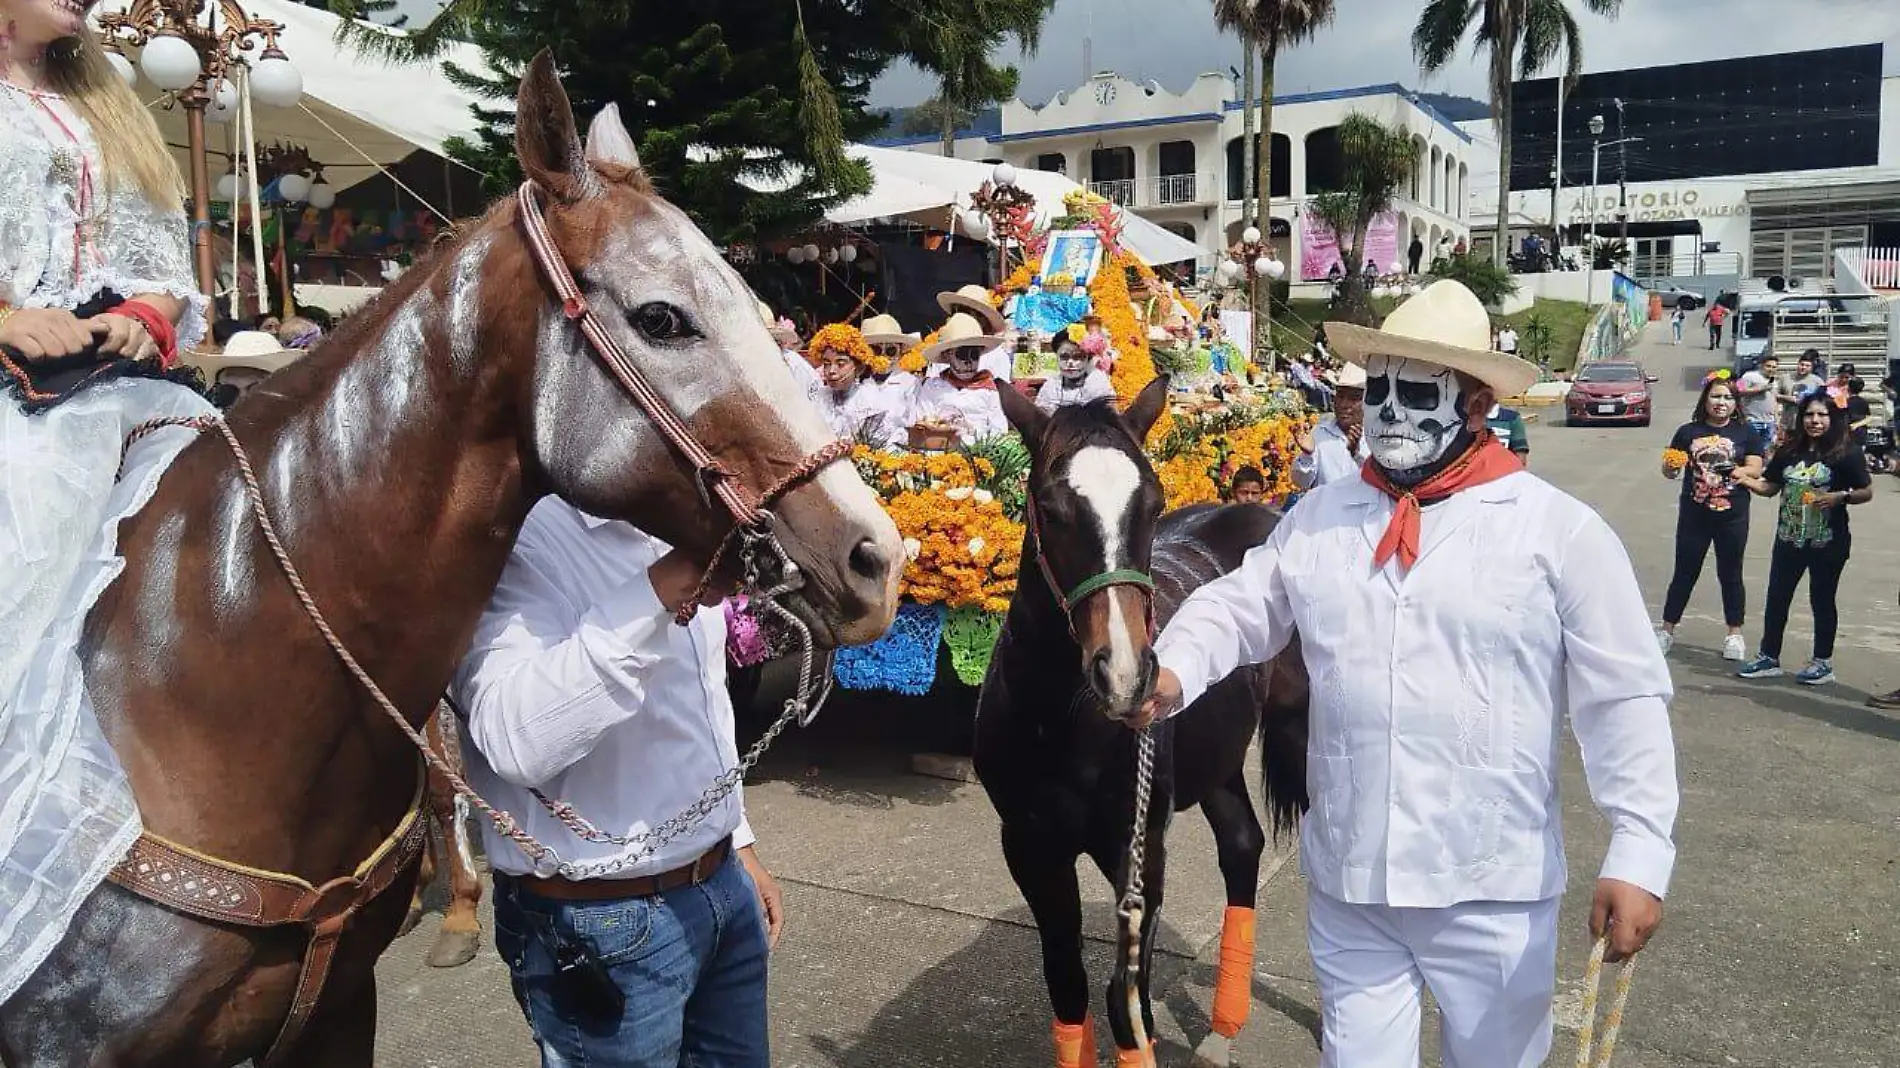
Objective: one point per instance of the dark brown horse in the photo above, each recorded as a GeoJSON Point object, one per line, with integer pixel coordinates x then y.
{"type": "Point", "coordinates": [399, 462]}
{"type": "Point", "coordinates": [1074, 658]}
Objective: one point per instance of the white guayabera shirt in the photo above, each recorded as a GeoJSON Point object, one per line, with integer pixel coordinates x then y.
{"type": "Point", "coordinates": [579, 684]}
{"type": "Point", "coordinates": [1437, 694]}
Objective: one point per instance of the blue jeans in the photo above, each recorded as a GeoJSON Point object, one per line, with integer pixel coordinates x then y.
{"type": "Point", "coordinates": [691, 961]}
{"type": "Point", "coordinates": [1766, 430]}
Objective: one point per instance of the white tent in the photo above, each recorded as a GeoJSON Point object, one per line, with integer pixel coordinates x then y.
{"type": "Point", "coordinates": [954, 179]}
{"type": "Point", "coordinates": [353, 107]}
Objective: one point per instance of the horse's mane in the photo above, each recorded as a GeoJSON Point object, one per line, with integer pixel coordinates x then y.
{"type": "Point", "coordinates": [1074, 425]}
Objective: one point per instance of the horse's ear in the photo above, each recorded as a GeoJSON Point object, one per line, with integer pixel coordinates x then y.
{"type": "Point", "coordinates": [1022, 413]}
{"type": "Point", "coordinates": [1141, 415]}
{"type": "Point", "coordinates": [609, 143]}
{"type": "Point", "coordinates": [546, 140]}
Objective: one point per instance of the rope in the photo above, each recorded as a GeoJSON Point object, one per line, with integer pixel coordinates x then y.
{"type": "Point", "coordinates": [371, 160]}
{"type": "Point", "coordinates": [1613, 1021]}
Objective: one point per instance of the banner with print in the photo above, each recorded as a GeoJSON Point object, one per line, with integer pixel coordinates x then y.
{"type": "Point", "coordinates": [1319, 248]}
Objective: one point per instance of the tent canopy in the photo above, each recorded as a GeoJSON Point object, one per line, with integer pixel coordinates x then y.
{"type": "Point", "coordinates": [353, 106]}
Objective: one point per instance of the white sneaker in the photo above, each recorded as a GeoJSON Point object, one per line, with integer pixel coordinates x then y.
{"type": "Point", "coordinates": [1733, 649]}
{"type": "Point", "coordinates": [1665, 639]}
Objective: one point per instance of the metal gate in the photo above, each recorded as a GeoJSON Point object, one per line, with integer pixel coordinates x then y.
{"type": "Point", "coordinates": [1806, 252]}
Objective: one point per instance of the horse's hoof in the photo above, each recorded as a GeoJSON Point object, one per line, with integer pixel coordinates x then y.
{"type": "Point", "coordinates": [1215, 1051]}
{"type": "Point", "coordinates": [453, 949]}
{"type": "Point", "coordinates": [409, 922]}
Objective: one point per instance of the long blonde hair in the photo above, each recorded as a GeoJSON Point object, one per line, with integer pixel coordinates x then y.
{"type": "Point", "coordinates": [135, 153]}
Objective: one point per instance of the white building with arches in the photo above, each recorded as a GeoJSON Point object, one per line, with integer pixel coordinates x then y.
{"type": "Point", "coordinates": [1176, 158]}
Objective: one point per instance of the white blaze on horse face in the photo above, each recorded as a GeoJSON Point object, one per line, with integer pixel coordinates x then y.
{"type": "Point", "coordinates": [1108, 481]}
{"type": "Point", "coordinates": [1411, 411]}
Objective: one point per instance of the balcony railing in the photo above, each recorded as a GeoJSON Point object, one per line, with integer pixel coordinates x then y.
{"type": "Point", "coordinates": [1156, 192]}
{"type": "Point", "coordinates": [1117, 191]}
{"type": "Point", "coordinates": [1174, 189]}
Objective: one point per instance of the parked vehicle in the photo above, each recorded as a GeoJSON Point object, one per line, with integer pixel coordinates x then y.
{"type": "Point", "coordinates": [1783, 319]}
{"type": "Point", "coordinates": [1609, 392]}
{"type": "Point", "coordinates": [1678, 297]}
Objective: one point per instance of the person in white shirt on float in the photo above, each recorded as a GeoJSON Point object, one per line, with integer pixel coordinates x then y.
{"type": "Point", "coordinates": [579, 687]}
{"type": "Point", "coordinates": [1000, 358]}
{"type": "Point", "coordinates": [964, 395]}
{"type": "Point", "coordinates": [854, 406]}
{"type": "Point", "coordinates": [887, 338]}
{"type": "Point", "coordinates": [1335, 449]}
{"type": "Point", "coordinates": [786, 335]}
{"type": "Point", "coordinates": [1445, 644]}
{"type": "Point", "coordinates": [1077, 380]}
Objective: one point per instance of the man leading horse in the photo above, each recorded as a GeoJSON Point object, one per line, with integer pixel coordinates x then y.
{"type": "Point", "coordinates": [1433, 849]}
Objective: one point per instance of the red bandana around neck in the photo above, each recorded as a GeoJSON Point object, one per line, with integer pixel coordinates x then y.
{"type": "Point", "coordinates": [983, 380]}
{"type": "Point", "coordinates": [1487, 460]}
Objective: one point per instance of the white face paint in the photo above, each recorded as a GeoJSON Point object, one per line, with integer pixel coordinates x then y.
{"type": "Point", "coordinates": [1411, 412]}
{"type": "Point", "coordinates": [1107, 481]}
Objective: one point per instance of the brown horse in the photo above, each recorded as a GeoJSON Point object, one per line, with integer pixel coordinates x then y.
{"type": "Point", "coordinates": [448, 852]}
{"type": "Point", "coordinates": [399, 461]}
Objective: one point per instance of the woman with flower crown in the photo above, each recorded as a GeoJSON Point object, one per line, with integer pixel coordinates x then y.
{"type": "Point", "coordinates": [96, 299]}
{"type": "Point", "coordinates": [856, 407]}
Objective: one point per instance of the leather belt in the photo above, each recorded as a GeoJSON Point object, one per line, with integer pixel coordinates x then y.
{"type": "Point", "coordinates": [701, 869]}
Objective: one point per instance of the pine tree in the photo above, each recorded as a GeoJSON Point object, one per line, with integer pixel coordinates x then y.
{"type": "Point", "coordinates": [714, 91]}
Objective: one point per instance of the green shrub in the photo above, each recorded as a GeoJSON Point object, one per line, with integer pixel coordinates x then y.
{"type": "Point", "coordinates": [1487, 281]}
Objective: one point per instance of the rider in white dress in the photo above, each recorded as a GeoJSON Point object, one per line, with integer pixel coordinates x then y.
{"type": "Point", "coordinates": [1077, 380]}
{"type": "Point", "coordinates": [856, 407]}
{"type": "Point", "coordinates": [964, 395]}
{"type": "Point", "coordinates": [89, 213]}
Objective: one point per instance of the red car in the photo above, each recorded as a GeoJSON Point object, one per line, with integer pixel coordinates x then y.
{"type": "Point", "coordinates": [1609, 392]}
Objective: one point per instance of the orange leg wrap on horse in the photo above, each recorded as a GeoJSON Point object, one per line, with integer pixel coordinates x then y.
{"type": "Point", "coordinates": [1233, 985]}
{"type": "Point", "coordinates": [1136, 1058]}
{"type": "Point", "coordinates": [1075, 1043]}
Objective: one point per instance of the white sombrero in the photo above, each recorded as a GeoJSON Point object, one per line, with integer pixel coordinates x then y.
{"type": "Point", "coordinates": [976, 301]}
{"type": "Point", "coordinates": [782, 330]}
{"type": "Point", "coordinates": [885, 330]}
{"type": "Point", "coordinates": [1444, 325]}
{"type": "Point", "coordinates": [249, 344]}
{"type": "Point", "coordinates": [1351, 376]}
{"type": "Point", "coordinates": [962, 331]}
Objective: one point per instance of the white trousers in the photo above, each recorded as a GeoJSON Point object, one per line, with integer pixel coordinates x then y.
{"type": "Point", "coordinates": [1491, 966]}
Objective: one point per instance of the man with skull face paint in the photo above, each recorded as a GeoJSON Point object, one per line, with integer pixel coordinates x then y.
{"type": "Point", "coordinates": [1433, 849]}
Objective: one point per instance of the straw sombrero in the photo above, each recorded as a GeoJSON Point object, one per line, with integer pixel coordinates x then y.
{"type": "Point", "coordinates": [249, 344]}
{"type": "Point", "coordinates": [961, 331]}
{"type": "Point", "coordinates": [1444, 325]}
{"type": "Point", "coordinates": [976, 301]}
{"type": "Point", "coordinates": [885, 330]}
{"type": "Point", "coordinates": [1351, 376]}
{"type": "Point", "coordinates": [782, 330]}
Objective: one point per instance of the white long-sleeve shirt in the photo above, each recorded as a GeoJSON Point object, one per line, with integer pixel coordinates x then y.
{"type": "Point", "coordinates": [1331, 459]}
{"type": "Point", "coordinates": [1437, 693]}
{"type": "Point", "coordinates": [1053, 394]}
{"type": "Point", "coordinates": [579, 684]}
{"type": "Point", "coordinates": [976, 412]}
{"type": "Point", "coordinates": [867, 404]}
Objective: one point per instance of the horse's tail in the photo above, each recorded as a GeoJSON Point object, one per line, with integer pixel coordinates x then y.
{"type": "Point", "coordinates": [1282, 732]}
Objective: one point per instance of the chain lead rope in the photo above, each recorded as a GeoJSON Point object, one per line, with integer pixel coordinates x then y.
{"type": "Point", "coordinates": [1133, 907]}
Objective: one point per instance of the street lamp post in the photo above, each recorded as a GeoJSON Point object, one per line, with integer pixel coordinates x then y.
{"type": "Point", "coordinates": [1622, 178]}
{"type": "Point", "coordinates": [188, 48]}
{"type": "Point", "coordinates": [1590, 246]}
{"type": "Point", "coordinates": [1251, 260]}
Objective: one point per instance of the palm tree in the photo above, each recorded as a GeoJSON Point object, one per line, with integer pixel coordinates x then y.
{"type": "Point", "coordinates": [1376, 160]}
{"type": "Point", "coordinates": [957, 50]}
{"type": "Point", "coordinates": [1527, 33]}
{"type": "Point", "coordinates": [1267, 25]}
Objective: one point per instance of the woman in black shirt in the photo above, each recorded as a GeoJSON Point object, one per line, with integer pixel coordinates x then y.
{"type": "Point", "coordinates": [1711, 450]}
{"type": "Point", "coordinates": [1817, 474]}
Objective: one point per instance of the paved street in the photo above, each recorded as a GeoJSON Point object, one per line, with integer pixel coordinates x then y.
{"type": "Point", "coordinates": [909, 946]}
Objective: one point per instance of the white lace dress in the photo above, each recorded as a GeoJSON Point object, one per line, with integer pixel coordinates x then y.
{"type": "Point", "coordinates": [66, 812]}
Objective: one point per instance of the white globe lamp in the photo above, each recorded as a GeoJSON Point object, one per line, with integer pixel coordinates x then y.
{"type": "Point", "coordinates": [170, 62]}
{"type": "Point", "coordinates": [1381, 292]}
{"type": "Point", "coordinates": [831, 256]}
{"type": "Point", "coordinates": [1004, 174]}
{"type": "Point", "coordinates": [294, 188]}
{"type": "Point", "coordinates": [1275, 270]}
{"type": "Point", "coordinates": [322, 197]}
{"type": "Point", "coordinates": [224, 103]}
{"type": "Point", "coordinates": [275, 82]}
{"type": "Point", "coordinates": [1227, 272]}
{"type": "Point", "coordinates": [1262, 265]}
{"type": "Point", "coordinates": [811, 253]}
{"type": "Point", "coordinates": [849, 253]}
{"type": "Point", "coordinates": [228, 187]}
{"type": "Point", "coordinates": [1250, 236]}
{"type": "Point", "coordinates": [1397, 267]}
{"type": "Point", "coordinates": [975, 223]}
{"type": "Point", "coordinates": [795, 255]}
{"type": "Point", "coordinates": [123, 67]}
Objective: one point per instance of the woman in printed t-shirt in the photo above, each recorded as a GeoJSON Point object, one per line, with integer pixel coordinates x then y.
{"type": "Point", "coordinates": [1817, 475]}
{"type": "Point", "coordinates": [1708, 453]}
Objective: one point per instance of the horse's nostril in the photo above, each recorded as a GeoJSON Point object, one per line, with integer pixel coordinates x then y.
{"type": "Point", "coordinates": [1099, 675]}
{"type": "Point", "coordinates": [868, 560]}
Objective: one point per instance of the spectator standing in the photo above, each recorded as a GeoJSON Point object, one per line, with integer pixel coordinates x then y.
{"type": "Point", "coordinates": [1507, 425]}
{"type": "Point", "coordinates": [1706, 453]}
{"type": "Point", "coordinates": [1507, 339]}
{"type": "Point", "coordinates": [1249, 486]}
{"type": "Point", "coordinates": [1676, 319]}
{"type": "Point", "coordinates": [1817, 475]}
{"type": "Point", "coordinates": [1715, 317]}
{"type": "Point", "coordinates": [1414, 253]}
{"type": "Point", "coordinates": [1761, 406]}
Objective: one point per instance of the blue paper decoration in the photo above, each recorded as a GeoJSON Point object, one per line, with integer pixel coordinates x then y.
{"type": "Point", "coordinates": [903, 661]}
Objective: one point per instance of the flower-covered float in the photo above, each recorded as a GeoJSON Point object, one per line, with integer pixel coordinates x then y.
{"type": "Point", "coordinates": [960, 511]}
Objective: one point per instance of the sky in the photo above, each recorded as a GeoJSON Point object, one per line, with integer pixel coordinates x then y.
{"type": "Point", "coordinates": [1370, 43]}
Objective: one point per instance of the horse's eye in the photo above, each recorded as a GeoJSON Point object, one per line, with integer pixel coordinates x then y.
{"type": "Point", "coordinates": [662, 322]}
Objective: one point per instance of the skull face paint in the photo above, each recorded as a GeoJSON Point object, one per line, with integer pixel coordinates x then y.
{"type": "Point", "coordinates": [1414, 412]}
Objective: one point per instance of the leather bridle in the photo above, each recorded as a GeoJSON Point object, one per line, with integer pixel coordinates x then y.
{"type": "Point", "coordinates": [765, 567]}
